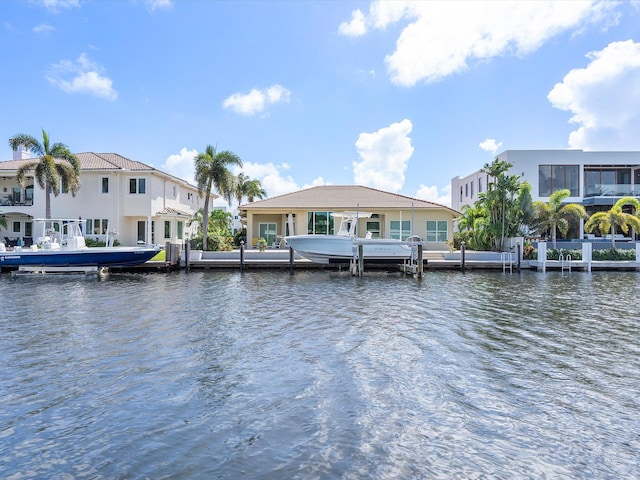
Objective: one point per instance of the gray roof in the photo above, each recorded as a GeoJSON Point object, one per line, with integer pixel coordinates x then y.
{"type": "Point", "coordinates": [342, 197]}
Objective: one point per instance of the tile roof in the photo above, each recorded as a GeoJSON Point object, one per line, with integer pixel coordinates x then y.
{"type": "Point", "coordinates": [341, 197]}
{"type": "Point", "coordinates": [90, 161]}
{"type": "Point", "coordinates": [173, 211]}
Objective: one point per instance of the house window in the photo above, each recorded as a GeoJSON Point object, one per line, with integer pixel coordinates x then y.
{"type": "Point", "coordinates": [104, 185]}
{"type": "Point", "coordinates": [373, 227]}
{"type": "Point", "coordinates": [97, 226]}
{"type": "Point", "coordinates": [479, 185]}
{"type": "Point", "coordinates": [320, 223]}
{"type": "Point", "coordinates": [180, 230]}
{"type": "Point", "coordinates": [437, 230]}
{"type": "Point", "coordinates": [190, 197]}
{"type": "Point", "coordinates": [466, 189]}
{"type": "Point", "coordinates": [400, 230]}
{"type": "Point", "coordinates": [137, 186]}
{"type": "Point", "coordinates": [472, 190]}
{"type": "Point", "coordinates": [558, 177]}
{"type": "Point", "coordinates": [16, 227]}
{"type": "Point", "coordinates": [167, 229]}
{"type": "Point", "coordinates": [175, 192]}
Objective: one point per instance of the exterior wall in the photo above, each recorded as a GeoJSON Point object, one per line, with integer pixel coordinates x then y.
{"type": "Point", "coordinates": [420, 217]}
{"type": "Point", "coordinates": [122, 209]}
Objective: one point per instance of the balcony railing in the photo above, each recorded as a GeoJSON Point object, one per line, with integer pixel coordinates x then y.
{"type": "Point", "coordinates": [15, 200]}
{"type": "Point", "coordinates": [612, 190]}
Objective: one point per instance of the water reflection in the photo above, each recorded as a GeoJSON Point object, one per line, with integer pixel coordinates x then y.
{"type": "Point", "coordinates": [321, 375]}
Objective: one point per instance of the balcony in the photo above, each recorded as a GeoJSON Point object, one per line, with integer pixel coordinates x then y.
{"type": "Point", "coordinates": [15, 201]}
{"type": "Point", "coordinates": [609, 193]}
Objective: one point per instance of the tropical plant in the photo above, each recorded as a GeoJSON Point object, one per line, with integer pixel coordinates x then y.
{"type": "Point", "coordinates": [555, 216]}
{"type": "Point", "coordinates": [55, 165]}
{"type": "Point", "coordinates": [615, 217]}
{"type": "Point", "coordinates": [502, 211]}
{"type": "Point", "coordinates": [3, 221]}
{"type": "Point", "coordinates": [246, 187]}
{"type": "Point", "coordinates": [219, 236]}
{"type": "Point", "coordinates": [212, 171]}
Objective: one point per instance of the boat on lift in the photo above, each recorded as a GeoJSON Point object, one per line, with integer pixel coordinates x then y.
{"type": "Point", "coordinates": [61, 243]}
{"type": "Point", "coordinates": [343, 246]}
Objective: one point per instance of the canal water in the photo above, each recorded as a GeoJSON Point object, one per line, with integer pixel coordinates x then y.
{"type": "Point", "coordinates": [320, 375]}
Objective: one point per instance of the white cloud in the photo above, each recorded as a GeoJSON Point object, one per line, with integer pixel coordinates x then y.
{"type": "Point", "coordinates": [256, 100]}
{"type": "Point", "coordinates": [356, 27]}
{"type": "Point", "coordinates": [181, 165]}
{"type": "Point", "coordinates": [432, 194]}
{"type": "Point", "coordinates": [490, 145]}
{"type": "Point", "coordinates": [271, 177]}
{"type": "Point", "coordinates": [604, 98]}
{"type": "Point", "coordinates": [82, 76]}
{"type": "Point", "coordinates": [158, 4]}
{"type": "Point", "coordinates": [43, 28]}
{"type": "Point", "coordinates": [384, 157]}
{"type": "Point", "coordinates": [57, 5]}
{"type": "Point", "coordinates": [442, 38]}
{"type": "Point", "coordinates": [317, 182]}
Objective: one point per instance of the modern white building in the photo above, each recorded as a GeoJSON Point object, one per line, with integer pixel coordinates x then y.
{"type": "Point", "coordinates": [596, 179]}
{"type": "Point", "coordinates": [136, 202]}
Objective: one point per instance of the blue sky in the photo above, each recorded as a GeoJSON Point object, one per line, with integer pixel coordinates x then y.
{"type": "Point", "coordinates": [400, 96]}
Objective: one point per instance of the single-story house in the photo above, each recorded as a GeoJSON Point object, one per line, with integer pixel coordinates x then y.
{"type": "Point", "coordinates": [309, 211]}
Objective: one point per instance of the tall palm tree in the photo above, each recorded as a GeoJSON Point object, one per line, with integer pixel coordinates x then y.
{"type": "Point", "coordinates": [241, 187]}
{"type": "Point", "coordinates": [212, 170]}
{"type": "Point", "coordinates": [245, 187]}
{"type": "Point", "coordinates": [615, 217]}
{"type": "Point", "coordinates": [254, 190]}
{"type": "Point", "coordinates": [55, 162]}
{"type": "Point", "coordinates": [555, 216]}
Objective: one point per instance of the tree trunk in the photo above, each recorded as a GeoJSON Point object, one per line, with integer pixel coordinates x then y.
{"type": "Point", "coordinates": [613, 236]}
{"type": "Point", "coordinates": [205, 216]}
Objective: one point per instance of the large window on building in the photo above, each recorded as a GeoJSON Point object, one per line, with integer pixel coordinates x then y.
{"type": "Point", "coordinates": [320, 223]}
{"type": "Point", "coordinates": [399, 230]}
{"type": "Point", "coordinates": [607, 181]}
{"type": "Point", "coordinates": [437, 230]}
{"type": "Point", "coordinates": [104, 185]}
{"type": "Point", "coordinates": [558, 177]}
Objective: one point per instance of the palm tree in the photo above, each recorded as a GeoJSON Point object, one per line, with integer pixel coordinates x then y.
{"type": "Point", "coordinates": [240, 187]}
{"type": "Point", "coordinates": [254, 190]}
{"type": "Point", "coordinates": [555, 216]}
{"type": "Point", "coordinates": [245, 187]}
{"type": "Point", "coordinates": [615, 217]}
{"type": "Point", "coordinates": [212, 171]}
{"type": "Point", "coordinates": [54, 163]}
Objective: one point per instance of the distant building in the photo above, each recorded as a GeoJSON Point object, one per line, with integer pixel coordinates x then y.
{"type": "Point", "coordinates": [596, 180]}
{"type": "Point", "coordinates": [139, 202]}
{"type": "Point", "coordinates": [309, 212]}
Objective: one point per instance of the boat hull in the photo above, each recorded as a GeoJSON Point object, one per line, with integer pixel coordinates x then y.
{"type": "Point", "coordinates": [95, 256]}
{"type": "Point", "coordinates": [341, 249]}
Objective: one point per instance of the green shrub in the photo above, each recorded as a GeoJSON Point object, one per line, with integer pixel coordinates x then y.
{"type": "Point", "coordinates": [554, 254]}
{"type": "Point", "coordinates": [92, 242]}
{"type": "Point", "coordinates": [614, 254]}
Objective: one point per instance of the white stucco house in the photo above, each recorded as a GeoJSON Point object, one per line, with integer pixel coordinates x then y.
{"type": "Point", "coordinates": [137, 202]}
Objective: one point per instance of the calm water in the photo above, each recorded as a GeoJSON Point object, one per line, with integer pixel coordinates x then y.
{"type": "Point", "coordinates": [320, 375]}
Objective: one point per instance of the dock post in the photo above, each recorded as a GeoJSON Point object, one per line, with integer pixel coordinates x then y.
{"type": "Point", "coordinates": [360, 259]}
{"type": "Point", "coordinates": [462, 255]}
{"type": "Point", "coordinates": [187, 253]}
{"type": "Point", "coordinates": [241, 255]}
{"type": "Point", "coordinates": [291, 262]}
{"type": "Point", "coordinates": [519, 251]}
{"type": "Point", "coordinates": [420, 261]}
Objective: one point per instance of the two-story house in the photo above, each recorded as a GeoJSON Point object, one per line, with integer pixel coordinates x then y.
{"type": "Point", "coordinates": [136, 202]}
